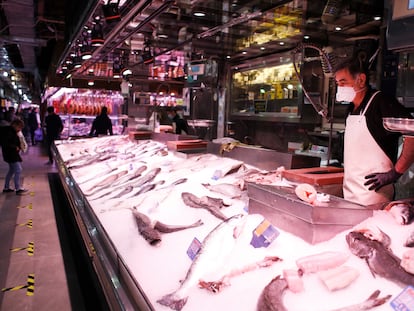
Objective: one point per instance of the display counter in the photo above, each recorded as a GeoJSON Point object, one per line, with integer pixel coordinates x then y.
{"type": "Point", "coordinates": [109, 179]}
{"type": "Point", "coordinates": [80, 125]}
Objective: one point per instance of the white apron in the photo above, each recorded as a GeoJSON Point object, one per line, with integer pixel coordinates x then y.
{"type": "Point", "coordinates": [359, 146]}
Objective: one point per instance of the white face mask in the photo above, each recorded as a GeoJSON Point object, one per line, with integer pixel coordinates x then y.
{"type": "Point", "coordinates": [345, 94]}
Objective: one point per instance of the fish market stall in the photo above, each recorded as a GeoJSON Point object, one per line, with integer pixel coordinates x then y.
{"type": "Point", "coordinates": [168, 230]}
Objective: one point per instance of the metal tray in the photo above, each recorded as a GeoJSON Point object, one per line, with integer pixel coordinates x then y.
{"type": "Point", "coordinates": [402, 125]}
{"type": "Point", "coordinates": [313, 223]}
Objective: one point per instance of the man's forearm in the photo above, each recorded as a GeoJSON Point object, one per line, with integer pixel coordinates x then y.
{"type": "Point", "coordinates": [407, 155]}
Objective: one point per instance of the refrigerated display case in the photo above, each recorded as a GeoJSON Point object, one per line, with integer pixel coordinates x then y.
{"type": "Point", "coordinates": [80, 125]}
{"type": "Point", "coordinates": [136, 275]}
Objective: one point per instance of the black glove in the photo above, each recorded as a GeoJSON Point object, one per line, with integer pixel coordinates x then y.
{"type": "Point", "coordinates": [379, 180]}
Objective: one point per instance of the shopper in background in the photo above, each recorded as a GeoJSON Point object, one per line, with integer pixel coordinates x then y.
{"type": "Point", "coordinates": [370, 151]}
{"type": "Point", "coordinates": [102, 125]}
{"type": "Point", "coordinates": [53, 127]}
{"type": "Point", "coordinates": [34, 124]}
{"type": "Point", "coordinates": [23, 113]}
{"type": "Point", "coordinates": [11, 148]}
{"type": "Point", "coordinates": [180, 125]}
{"type": "Point", "coordinates": [10, 114]}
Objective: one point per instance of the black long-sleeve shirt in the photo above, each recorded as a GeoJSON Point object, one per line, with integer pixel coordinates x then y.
{"type": "Point", "coordinates": [383, 106]}
{"type": "Point", "coordinates": [102, 125]}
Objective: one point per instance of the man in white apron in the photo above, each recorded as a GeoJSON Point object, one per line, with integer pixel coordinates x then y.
{"type": "Point", "coordinates": [370, 151]}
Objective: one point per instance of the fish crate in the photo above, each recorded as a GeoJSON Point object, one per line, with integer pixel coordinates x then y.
{"type": "Point", "coordinates": [140, 135]}
{"type": "Point", "coordinates": [192, 145]}
{"type": "Point", "coordinates": [314, 223]}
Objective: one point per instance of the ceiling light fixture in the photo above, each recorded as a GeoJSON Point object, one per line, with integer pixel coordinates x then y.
{"type": "Point", "coordinates": [147, 57]}
{"type": "Point", "coordinates": [91, 82]}
{"type": "Point", "coordinates": [199, 14]}
{"type": "Point", "coordinates": [77, 62]}
{"type": "Point", "coordinates": [86, 52]}
{"type": "Point", "coordinates": [116, 66]}
{"type": "Point", "coordinates": [97, 34]}
{"type": "Point", "coordinates": [126, 72]}
{"type": "Point", "coordinates": [111, 12]}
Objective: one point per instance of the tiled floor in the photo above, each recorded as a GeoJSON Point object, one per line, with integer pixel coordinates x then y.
{"type": "Point", "coordinates": [32, 269]}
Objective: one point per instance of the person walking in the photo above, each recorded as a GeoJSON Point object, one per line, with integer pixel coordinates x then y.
{"type": "Point", "coordinates": [54, 127]}
{"type": "Point", "coordinates": [102, 125]}
{"type": "Point", "coordinates": [34, 124]}
{"type": "Point", "coordinates": [11, 147]}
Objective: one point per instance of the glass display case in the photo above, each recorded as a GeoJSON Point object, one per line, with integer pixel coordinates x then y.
{"type": "Point", "coordinates": [79, 107]}
{"type": "Point", "coordinates": [80, 125]}
{"type": "Point", "coordinates": [266, 91]}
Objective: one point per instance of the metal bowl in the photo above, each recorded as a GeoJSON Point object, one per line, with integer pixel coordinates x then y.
{"type": "Point", "coordinates": [402, 125]}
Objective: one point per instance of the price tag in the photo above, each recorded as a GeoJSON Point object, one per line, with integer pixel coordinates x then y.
{"type": "Point", "coordinates": [194, 248]}
{"type": "Point", "coordinates": [405, 300]}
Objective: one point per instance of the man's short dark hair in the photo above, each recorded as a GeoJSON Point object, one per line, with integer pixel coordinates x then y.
{"type": "Point", "coordinates": [355, 66]}
{"type": "Point", "coordinates": [50, 109]}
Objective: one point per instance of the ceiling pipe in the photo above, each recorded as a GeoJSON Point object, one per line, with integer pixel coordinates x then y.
{"type": "Point", "coordinates": [212, 31]}
{"type": "Point", "coordinates": [89, 15]}
{"type": "Point", "coordinates": [118, 40]}
{"type": "Point", "coordinates": [91, 8]}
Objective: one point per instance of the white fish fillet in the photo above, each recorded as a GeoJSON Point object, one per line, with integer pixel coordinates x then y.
{"type": "Point", "coordinates": [214, 250]}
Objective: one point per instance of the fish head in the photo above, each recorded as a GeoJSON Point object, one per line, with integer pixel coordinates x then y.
{"type": "Point", "coordinates": [359, 244]}
{"type": "Point", "coordinates": [402, 213]}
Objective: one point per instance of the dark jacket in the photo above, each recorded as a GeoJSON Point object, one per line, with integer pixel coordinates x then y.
{"type": "Point", "coordinates": [54, 126]}
{"type": "Point", "coordinates": [102, 125]}
{"type": "Point", "coordinates": [180, 124]}
{"type": "Point", "coordinates": [10, 146]}
{"type": "Point", "coordinates": [33, 120]}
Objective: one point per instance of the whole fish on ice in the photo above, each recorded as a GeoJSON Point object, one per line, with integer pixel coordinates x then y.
{"type": "Point", "coordinates": [402, 211]}
{"type": "Point", "coordinates": [213, 205]}
{"type": "Point", "coordinates": [130, 176]}
{"type": "Point", "coordinates": [380, 259]}
{"type": "Point", "coordinates": [151, 229]}
{"type": "Point", "coordinates": [214, 251]}
{"type": "Point", "coordinates": [271, 298]}
{"type": "Point", "coordinates": [410, 240]}
{"type": "Point", "coordinates": [105, 182]}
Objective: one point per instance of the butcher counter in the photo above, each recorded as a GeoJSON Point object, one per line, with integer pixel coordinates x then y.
{"type": "Point", "coordinates": [134, 275]}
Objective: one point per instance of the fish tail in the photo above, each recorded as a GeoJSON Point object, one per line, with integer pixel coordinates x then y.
{"type": "Point", "coordinates": [173, 301]}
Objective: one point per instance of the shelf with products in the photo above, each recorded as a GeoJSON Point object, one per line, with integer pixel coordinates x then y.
{"type": "Point", "coordinates": [269, 90]}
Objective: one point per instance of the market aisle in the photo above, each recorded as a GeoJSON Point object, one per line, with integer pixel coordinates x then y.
{"type": "Point", "coordinates": [32, 269]}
